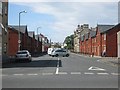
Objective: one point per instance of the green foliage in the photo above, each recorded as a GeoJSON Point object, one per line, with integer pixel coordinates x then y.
{"type": "Point", "coordinates": [69, 40]}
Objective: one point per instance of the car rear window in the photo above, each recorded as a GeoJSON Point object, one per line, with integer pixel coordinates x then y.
{"type": "Point", "coordinates": [21, 52]}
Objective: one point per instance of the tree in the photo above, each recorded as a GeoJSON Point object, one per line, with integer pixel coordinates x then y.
{"type": "Point", "coordinates": [69, 40]}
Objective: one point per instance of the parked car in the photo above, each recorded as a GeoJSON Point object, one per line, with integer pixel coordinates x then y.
{"type": "Point", "coordinates": [23, 55]}
{"type": "Point", "coordinates": [60, 52]}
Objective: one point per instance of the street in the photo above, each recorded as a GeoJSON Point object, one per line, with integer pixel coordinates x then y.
{"type": "Point", "coordinates": [74, 71]}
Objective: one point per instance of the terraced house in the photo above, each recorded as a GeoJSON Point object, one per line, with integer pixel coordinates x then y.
{"type": "Point", "coordinates": [80, 30]}
{"type": "Point", "coordinates": [101, 40]}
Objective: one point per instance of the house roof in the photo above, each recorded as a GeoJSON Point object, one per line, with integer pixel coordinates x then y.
{"type": "Point", "coordinates": [116, 26]}
{"type": "Point", "coordinates": [82, 38]}
{"type": "Point", "coordinates": [31, 34]}
{"type": "Point", "coordinates": [104, 28]}
{"type": "Point", "coordinates": [23, 28]}
{"type": "Point", "coordinates": [86, 36]}
{"type": "Point", "coordinates": [92, 34]}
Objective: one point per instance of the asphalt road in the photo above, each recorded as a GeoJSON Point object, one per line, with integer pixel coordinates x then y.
{"type": "Point", "coordinates": [60, 72]}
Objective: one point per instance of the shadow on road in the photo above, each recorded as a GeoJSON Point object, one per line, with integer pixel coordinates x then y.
{"type": "Point", "coordinates": [38, 54]}
{"type": "Point", "coordinates": [33, 64]}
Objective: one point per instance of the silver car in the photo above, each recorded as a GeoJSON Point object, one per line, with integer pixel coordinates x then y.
{"type": "Point", "coordinates": [60, 52]}
{"type": "Point", "coordinates": [23, 55]}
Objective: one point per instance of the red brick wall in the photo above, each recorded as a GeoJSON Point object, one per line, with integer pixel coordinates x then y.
{"type": "Point", "coordinates": [111, 41]}
{"type": "Point", "coordinates": [12, 42]}
{"type": "Point", "coordinates": [103, 42]}
{"type": "Point", "coordinates": [89, 46]}
{"type": "Point", "coordinates": [98, 44]}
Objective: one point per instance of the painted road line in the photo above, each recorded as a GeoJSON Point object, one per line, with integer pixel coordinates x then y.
{"type": "Point", "coordinates": [102, 73]}
{"type": "Point", "coordinates": [115, 74]}
{"type": "Point", "coordinates": [32, 74]}
{"type": "Point", "coordinates": [75, 72]}
{"type": "Point", "coordinates": [47, 73]}
{"type": "Point", "coordinates": [62, 73]}
{"type": "Point", "coordinates": [18, 74]}
{"type": "Point", "coordinates": [57, 69]}
{"type": "Point", "coordinates": [89, 73]}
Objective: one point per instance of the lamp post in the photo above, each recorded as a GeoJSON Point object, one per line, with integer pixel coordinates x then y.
{"type": "Point", "coordinates": [19, 41]}
{"type": "Point", "coordinates": [37, 34]}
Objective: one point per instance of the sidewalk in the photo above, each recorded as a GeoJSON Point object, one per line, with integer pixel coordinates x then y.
{"type": "Point", "coordinates": [114, 61]}
{"type": "Point", "coordinates": [111, 60]}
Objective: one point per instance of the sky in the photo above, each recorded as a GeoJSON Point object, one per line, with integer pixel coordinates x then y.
{"type": "Point", "coordinates": [59, 19]}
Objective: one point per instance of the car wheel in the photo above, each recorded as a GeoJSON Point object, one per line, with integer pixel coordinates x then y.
{"type": "Point", "coordinates": [67, 55]}
{"type": "Point", "coordinates": [56, 55]}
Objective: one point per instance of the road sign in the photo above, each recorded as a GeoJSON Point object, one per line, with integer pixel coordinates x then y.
{"type": "Point", "coordinates": [19, 41]}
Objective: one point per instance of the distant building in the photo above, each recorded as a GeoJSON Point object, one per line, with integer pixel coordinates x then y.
{"type": "Point", "coordinates": [81, 30]}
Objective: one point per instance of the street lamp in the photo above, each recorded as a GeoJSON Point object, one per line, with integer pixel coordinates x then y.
{"type": "Point", "coordinates": [37, 34]}
{"type": "Point", "coordinates": [19, 41]}
{"type": "Point", "coordinates": [37, 29]}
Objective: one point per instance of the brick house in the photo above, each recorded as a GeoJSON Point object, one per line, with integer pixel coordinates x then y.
{"type": "Point", "coordinates": [86, 43]}
{"type": "Point", "coordinates": [82, 44]}
{"type": "Point", "coordinates": [100, 41]}
{"type": "Point", "coordinates": [31, 41]}
{"type": "Point", "coordinates": [23, 36]}
{"type": "Point", "coordinates": [102, 38]}
{"type": "Point", "coordinates": [12, 41]}
{"type": "Point", "coordinates": [92, 42]}
{"type": "Point", "coordinates": [111, 41]}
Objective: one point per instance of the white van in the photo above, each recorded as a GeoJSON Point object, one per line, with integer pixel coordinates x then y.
{"type": "Point", "coordinates": [50, 51]}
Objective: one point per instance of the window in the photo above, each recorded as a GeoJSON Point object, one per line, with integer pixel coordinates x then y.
{"type": "Point", "coordinates": [104, 36]}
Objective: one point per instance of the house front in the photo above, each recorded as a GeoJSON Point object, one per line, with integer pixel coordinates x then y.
{"type": "Point", "coordinates": [12, 41]}
{"type": "Point", "coordinates": [111, 41]}
{"type": "Point", "coordinates": [118, 43]}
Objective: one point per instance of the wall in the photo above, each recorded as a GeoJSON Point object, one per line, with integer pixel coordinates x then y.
{"type": "Point", "coordinates": [13, 42]}
{"type": "Point", "coordinates": [111, 41]}
{"type": "Point", "coordinates": [118, 42]}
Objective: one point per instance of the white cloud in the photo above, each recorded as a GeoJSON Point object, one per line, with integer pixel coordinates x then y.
{"type": "Point", "coordinates": [69, 15]}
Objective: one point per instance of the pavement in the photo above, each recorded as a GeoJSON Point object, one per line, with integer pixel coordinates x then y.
{"type": "Point", "coordinates": [114, 61]}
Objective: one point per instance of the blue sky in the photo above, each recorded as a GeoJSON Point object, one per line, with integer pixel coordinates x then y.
{"type": "Point", "coordinates": [59, 19]}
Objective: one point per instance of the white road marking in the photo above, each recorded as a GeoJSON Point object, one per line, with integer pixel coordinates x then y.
{"type": "Point", "coordinates": [102, 73]}
{"type": "Point", "coordinates": [88, 73]}
{"type": "Point", "coordinates": [57, 70]}
{"type": "Point", "coordinates": [75, 72]}
{"type": "Point", "coordinates": [96, 68]}
{"type": "Point", "coordinates": [47, 73]}
{"type": "Point", "coordinates": [115, 73]}
{"type": "Point", "coordinates": [18, 74]}
{"type": "Point", "coordinates": [62, 73]}
{"type": "Point", "coordinates": [32, 74]}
